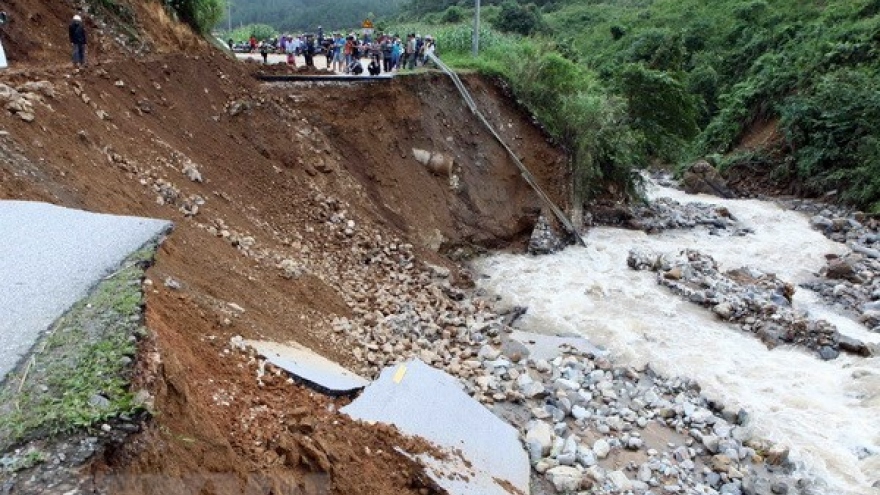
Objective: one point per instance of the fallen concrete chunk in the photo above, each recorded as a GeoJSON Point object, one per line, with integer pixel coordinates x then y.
{"type": "Point", "coordinates": [485, 454]}
{"type": "Point", "coordinates": [51, 257]}
{"type": "Point", "coordinates": [317, 371]}
{"type": "Point", "coordinates": [548, 346]}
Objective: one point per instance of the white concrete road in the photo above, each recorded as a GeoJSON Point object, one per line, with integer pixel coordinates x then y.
{"type": "Point", "coordinates": [50, 257]}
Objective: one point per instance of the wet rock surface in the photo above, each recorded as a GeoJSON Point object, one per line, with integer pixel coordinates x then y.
{"type": "Point", "coordinates": [851, 281]}
{"type": "Point", "coordinates": [667, 214]}
{"type": "Point", "coordinates": [758, 302]}
{"type": "Point", "coordinates": [545, 238]}
{"type": "Point", "coordinates": [703, 178]}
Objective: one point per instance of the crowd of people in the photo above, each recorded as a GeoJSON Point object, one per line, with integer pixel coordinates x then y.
{"type": "Point", "coordinates": [386, 53]}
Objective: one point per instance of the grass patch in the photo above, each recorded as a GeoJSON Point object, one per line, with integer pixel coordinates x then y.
{"type": "Point", "coordinates": [78, 374]}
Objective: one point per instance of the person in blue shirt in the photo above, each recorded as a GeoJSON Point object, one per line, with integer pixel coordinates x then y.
{"type": "Point", "coordinates": [396, 51]}
{"type": "Point", "coordinates": [338, 56]}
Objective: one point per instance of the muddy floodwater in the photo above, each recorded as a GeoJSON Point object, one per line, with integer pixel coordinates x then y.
{"type": "Point", "coordinates": [826, 412]}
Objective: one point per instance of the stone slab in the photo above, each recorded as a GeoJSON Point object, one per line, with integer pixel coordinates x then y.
{"type": "Point", "coordinates": [50, 258]}
{"type": "Point", "coordinates": [485, 456]}
{"type": "Point", "coordinates": [317, 371]}
{"type": "Point", "coordinates": [548, 347]}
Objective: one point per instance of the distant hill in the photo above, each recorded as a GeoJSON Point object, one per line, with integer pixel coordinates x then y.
{"type": "Point", "coordinates": [302, 15]}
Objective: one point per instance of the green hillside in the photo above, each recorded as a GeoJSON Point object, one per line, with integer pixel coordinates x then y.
{"type": "Point", "coordinates": [690, 78]}
{"type": "Point", "coordinates": [303, 15]}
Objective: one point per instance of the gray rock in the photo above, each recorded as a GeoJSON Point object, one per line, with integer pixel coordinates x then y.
{"type": "Point", "coordinates": [98, 401]}
{"type": "Point", "coordinates": [619, 479]}
{"type": "Point", "coordinates": [828, 353]}
{"type": "Point", "coordinates": [579, 412]}
{"type": "Point", "coordinates": [539, 438]}
{"type": "Point", "coordinates": [601, 448]}
{"type": "Point", "coordinates": [565, 478]}
{"type": "Point", "coordinates": [713, 479]}
{"type": "Point", "coordinates": [585, 456]}
{"type": "Point", "coordinates": [730, 489]}
{"type": "Point", "coordinates": [533, 390]}
{"type": "Point", "coordinates": [780, 488]}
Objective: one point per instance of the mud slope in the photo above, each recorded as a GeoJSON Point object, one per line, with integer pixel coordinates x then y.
{"type": "Point", "coordinates": [294, 206]}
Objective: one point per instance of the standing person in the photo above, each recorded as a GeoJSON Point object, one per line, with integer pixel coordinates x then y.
{"type": "Point", "coordinates": [253, 42]}
{"type": "Point", "coordinates": [411, 51]}
{"type": "Point", "coordinates": [387, 53]}
{"type": "Point", "coordinates": [264, 51]}
{"type": "Point", "coordinates": [429, 49]}
{"type": "Point", "coordinates": [291, 51]}
{"type": "Point", "coordinates": [338, 45]}
{"type": "Point", "coordinates": [309, 50]}
{"type": "Point", "coordinates": [231, 44]}
{"type": "Point", "coordinates": [77, 34]}
{"type": "Point", "coordinates": [420, 45]}
{"type": "Point", "coordinates": [396, 52]}
{"type": "Point", "coordinates": [347, 51]}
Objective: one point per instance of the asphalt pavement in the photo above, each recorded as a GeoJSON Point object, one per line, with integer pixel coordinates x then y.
{"type": "Point", "coordinates": [50, 257]}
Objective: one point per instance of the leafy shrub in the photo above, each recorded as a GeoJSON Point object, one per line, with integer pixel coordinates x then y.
{"type": "Point", "coordinates": [833, 135]}
{"type": "Point", "coordinates": [660, 49]}
{"type": "Point", "coordinates": [520, 19]}
{"type": "Point", "coordinates": [661, 107]}
{"type": "Point", "coordinates": [452, 15]}
{"type": "Point", "coordinates": [201, 15]}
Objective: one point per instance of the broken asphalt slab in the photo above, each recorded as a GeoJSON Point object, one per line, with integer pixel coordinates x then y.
{"type": "Point", "coordinates": [50, 257]}
{"type": "Point", "coordinates": [484, 454]}
{"type": "Point", "coordinates": [316, 371]}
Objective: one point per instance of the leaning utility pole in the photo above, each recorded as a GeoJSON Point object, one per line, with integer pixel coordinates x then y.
{"type": "Point", "coordinates": [477, 29]}
{"type": "Point", "coordinates": [229, 14]}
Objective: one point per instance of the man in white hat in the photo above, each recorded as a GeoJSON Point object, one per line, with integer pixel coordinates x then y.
{"type": "Point", "coordinates": [77, 32]}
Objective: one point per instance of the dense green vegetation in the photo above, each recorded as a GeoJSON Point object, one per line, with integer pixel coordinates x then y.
{"type": "Point", "coordinates": [202, 15]}
{"type": "Point", "coordinates": [628, 82]}
{"type": "Point", "coordinates": [302, 15]}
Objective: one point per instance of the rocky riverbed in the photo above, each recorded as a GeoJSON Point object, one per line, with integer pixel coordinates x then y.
{"type": "Point", "coordinates": [587, 422]}
{"type": "Point", "coordinates": [851, 281]}
{"type": "Point", "coordinates": [664, 214]}
{"type": "Point", "coordinates": [758, 302]}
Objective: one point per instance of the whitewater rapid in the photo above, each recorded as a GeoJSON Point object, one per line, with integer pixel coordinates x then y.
{"type": "Point", "coordinates": [826, 412]}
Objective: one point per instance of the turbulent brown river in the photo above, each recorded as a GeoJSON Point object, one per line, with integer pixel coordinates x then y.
{"type": "Point", "coordinates": [826, 412]}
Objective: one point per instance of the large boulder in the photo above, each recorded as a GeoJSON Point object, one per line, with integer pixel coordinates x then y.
{"type": "Point", "coordinates": [703, 178]}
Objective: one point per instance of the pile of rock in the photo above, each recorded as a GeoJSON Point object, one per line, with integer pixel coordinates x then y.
{"type": "Point", "coordinates": [20, 102]}
{"type": "Point", "coordinates": [544, 239]}
{"type": "Point", "coordinates": [851, 280]}
{"type": "Point", "coordinates": [621, 430]}
{"type": "Point", "coordinates": [759, 302]}
{"type": "Point", "coordinates": [667, 214]}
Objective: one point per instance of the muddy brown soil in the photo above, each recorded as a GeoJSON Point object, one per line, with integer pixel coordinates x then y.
{"type": "Point", "coordinates": [275, 163]}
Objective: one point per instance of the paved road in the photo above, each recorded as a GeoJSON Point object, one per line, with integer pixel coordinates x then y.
{"type": "Point", "coordinates": [49, 259]}
{"type": "Point", "coordinates": [274, 58]}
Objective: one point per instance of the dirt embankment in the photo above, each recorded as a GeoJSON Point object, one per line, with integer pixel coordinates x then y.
{"type": "Point", "coordinates": [277, 192]}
